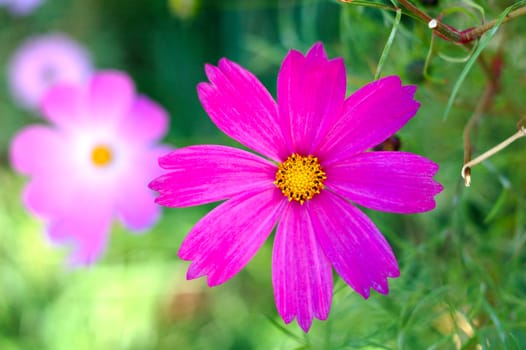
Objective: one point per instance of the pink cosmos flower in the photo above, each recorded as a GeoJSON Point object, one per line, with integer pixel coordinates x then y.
{"type": "Point", "coordinates": [314, 168]}
{"type": "Point", "coordinates": [21, 7]}
{"type": "Point", "coordinates": [43, 61]}
{"type": "Point", "coordinates": [93, 162]}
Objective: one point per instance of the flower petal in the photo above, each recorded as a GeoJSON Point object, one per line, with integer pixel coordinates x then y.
{"type": "Point", "coordinates": [225, 240]}
{"type": "Point", "coordinates": [38, 149]}
{"type": "Point", "coordinates": [111, 94]}
{"type": "Point", "coordinates": [85, 227]}
{"type": "Point", "coordinates": [311, 92]}
{"type": "Point", "coordinates": [47, 196]}
{"type": "Point", "coordinates": [370, 115]}
{"type": "Point", "coordinates": [352, 243]}
{"type": "Point", "coordinates": [147, 121]}
{"type": "Point", "coordinates": [242, 108]}
{"type": "Point", "coordinates": [301, 274]}
{"type": "Point", "coordinates": [207, 173]}
{"type": "Point", "coordinates": [62, 105]}
{"type": "Point", "coordinates": [388, 181]}
{"type": "Point", "coordinates": [135, 205]}
{"type": "Point", "coordinates": [43, 61]}
{"type": "Point", "coordinates": [137, 209]}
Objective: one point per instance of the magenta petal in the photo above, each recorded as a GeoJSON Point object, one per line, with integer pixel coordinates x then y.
{"type": "Point", "coordinates": [301, 274]}
{"type": "Point", "coordinates": [38, 149]}
{"type": "Point", "coordinates": [311, 92]}
{"type": "Point", "coordinates": [242, 108]}
{"type": "Point", "coordinates": [89, 240]}
{"type": "Point", "coordinates": [111, 94]}
{"type": "Point", "coordinates": [62, 105]}
{"type": "Point", "coordinates": [388, 181]}
{"type": "Point", "coordinates": [370, 116]}
{"type": "Point", "coordinates": [353, 244]}
{"type": "Point", "coordinates": [136, 208]}
{"type": "Point", "coordinates": [204, 174]}
{"type": "Point", "coordinates": [139, 212]}
{"type": "Point", "coordinates": [47, 196]}
{"type": "Point", "coordinates": [84, 227]}
{"type": "Point", "coordinates": [225, 240]}
{"type": "Point", "coordinates": [146, 121]}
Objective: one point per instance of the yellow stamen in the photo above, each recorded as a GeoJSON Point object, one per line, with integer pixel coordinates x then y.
{"type": "Point", "coordinates": [101, 155]}
{"type": "Point", "coordinates": [300, 177]}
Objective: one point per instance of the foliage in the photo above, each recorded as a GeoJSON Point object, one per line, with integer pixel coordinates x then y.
{"type": "Point", "coordinates": [462, 283]}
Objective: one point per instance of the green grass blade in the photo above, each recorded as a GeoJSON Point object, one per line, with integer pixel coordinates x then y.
{"type": "Point", "coordinates": [388, 44]}
{"type": "Point", "coordinates": [496, 322]}
{"type": "Point", "coordinates": [481, 46]}
{"type": "Point", "coordinates": [366, 3]}
{"type": "Point", "coordinates": [497, 206]}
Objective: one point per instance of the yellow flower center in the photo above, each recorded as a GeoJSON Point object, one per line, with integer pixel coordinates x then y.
{"type": "Point", "coordinates": [101, 155]}
{"type": "Point", "coordinates": [300, 178]}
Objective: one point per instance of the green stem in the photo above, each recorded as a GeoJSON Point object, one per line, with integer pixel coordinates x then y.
{"type": "Point", "coordinates": [473, 33]}
{"type": "Point", "coordinates": [444, 31]}
{"type": "Point", "coordinates": [452, 34]}
{"type": "Point", "coordinates": [388, 45]}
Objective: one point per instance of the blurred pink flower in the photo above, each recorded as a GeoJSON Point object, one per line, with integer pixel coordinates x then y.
{"type": "Point", "coordinates": [93, 162]}
{"type": "Point", "coordinates": [43, 61]}
{"type": "Point", "coordinates": [21, 7]}
{"type": "Point", "coordinates": [314, 168]}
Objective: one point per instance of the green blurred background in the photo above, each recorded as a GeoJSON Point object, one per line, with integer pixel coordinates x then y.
{"type": "Point", "coordinates": [463, 280]}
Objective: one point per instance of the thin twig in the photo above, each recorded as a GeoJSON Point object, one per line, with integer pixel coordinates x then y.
{"type": "Point", "coordinates": [467, 176]}
{"type": "Point", "coordinates": [520, 123]}
{"type": "Point", "coordinates": [443, 30]}
{"type": "Point", "coordinates": [483, 105]}
{"type": "Point", "coordinates": [451, 33]}
{"type": "Point", "coordinates": [473, 33]}
{"type": "Point", "coordinates": [484, 102]}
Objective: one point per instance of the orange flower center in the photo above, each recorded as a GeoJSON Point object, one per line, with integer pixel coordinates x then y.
{"type": "Point", "coordinates": [101, 155]}
{"type": "Point", "coordinates": [300, 178]}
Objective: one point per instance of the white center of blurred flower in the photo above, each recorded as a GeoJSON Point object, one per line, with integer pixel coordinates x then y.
{"type": "Point", "coordinates": [49, 74]}
{"type": "Point", "coordinates": [101, 155]}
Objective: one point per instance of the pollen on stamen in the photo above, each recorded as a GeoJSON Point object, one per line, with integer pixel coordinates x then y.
{"type": "Point", "coordinates": [101, 155]}
{"type": "Point", "coordinates": [300, 178]}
